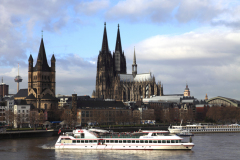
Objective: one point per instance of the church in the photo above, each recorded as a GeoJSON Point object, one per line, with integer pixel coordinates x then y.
{"type": "Point", "coordinates": [112, 80]}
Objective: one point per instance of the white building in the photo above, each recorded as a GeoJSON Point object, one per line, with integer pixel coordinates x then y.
{"type": "Point", "coordinates": [22, 113]}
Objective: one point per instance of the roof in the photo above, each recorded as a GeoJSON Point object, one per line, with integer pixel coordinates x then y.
{"type": "Point", "coordinates": [100, 104]}
{"type": "Point", "coordinates": [31, 96]}
{"type": "Point", "coordinates": [105, 48]}
{"type": "Point", "coordinates": [138, 77]}
{"type": "Point", "coordinates": [42, 56]}
{"type": "Point", "coordinates": [49, 97]}
{"type": "Point", "coordinates": [22, 93]}
{"type": "Point", "coordinates": [233, 102]}
{"type": "Point", "coordinates": [118, 46]}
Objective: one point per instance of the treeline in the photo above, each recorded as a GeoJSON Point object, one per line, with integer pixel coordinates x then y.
{"type": "Point", "coordinates": [221, 114]}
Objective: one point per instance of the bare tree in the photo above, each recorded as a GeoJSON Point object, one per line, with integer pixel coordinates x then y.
{"type": "Point", "coordinates": [34, 118]}
{"type": "Point", "coordinates": [9, 118]}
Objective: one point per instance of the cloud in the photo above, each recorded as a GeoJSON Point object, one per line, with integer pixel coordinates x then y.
{"type": "Point", "coordinates": [91, 7]}
{"type": "Point", "coordinates": [207, 60]}
{"type": "Point", "coordinates": [215, 12]}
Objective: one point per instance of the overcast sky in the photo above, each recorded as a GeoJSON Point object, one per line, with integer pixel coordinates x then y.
{"type": "Point", "coordinates": [180, 41]}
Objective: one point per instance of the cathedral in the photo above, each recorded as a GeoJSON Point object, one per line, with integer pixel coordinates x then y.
{"type": "Point", "coordinates": [112, 80]}
{"type": "Point", "coordinates": [41, 82]}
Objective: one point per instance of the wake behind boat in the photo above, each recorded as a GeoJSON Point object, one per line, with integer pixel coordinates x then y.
{"type": "Point", "coordinates": [102, 139]}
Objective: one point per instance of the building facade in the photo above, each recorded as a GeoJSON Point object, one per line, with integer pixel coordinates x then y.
{"type": "Point", "coordinates": [112, 80]}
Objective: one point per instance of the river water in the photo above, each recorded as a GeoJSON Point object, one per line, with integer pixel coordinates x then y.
{"type": "Point", "coordinates": [207, 146]}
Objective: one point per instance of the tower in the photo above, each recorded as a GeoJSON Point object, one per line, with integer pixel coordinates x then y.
{"type": "Point", "coordinates": [105, 72]}
{"type": "Point", "coordinates": [3, 89]}
{"type": "Point", "coordinates": [119, 60]}
{"type": "Point", "coordinates": [41, 80]}
{"type": "Point", "coordinates": [18, 79]}
{"type": "Point", "coordinates": [186, 92]}
{"type": "Point", "coordinates": [134, 65]}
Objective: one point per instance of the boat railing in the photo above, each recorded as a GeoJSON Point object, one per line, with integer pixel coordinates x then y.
{"type": "Point", "coordinates": [120, 136]}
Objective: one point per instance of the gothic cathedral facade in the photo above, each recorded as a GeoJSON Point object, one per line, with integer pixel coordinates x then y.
{"type": "Point", "coordinates": [112, 80]}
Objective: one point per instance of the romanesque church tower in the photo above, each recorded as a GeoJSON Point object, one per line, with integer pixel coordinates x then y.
{"type": "Point", "coordinates": [41, 81]}
{"type": "Point", "coordinates": [105, 70]}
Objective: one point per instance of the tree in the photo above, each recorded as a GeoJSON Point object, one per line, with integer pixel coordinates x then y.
{"type": "Point", "coordinates": [34, 118]}
{"type": "Point", "coordinates": [9, 118]}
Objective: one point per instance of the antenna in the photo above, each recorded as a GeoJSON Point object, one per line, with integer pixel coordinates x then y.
{"type": "Point", "coordinates": [18, 79]}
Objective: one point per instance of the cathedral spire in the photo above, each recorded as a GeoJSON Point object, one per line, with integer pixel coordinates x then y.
{"type": "Point", "coordinates": [134, 57]}
{"type": "Point", "coordinates": [105, 48]}
{"type": "Point", "coordinates": [118, 46]}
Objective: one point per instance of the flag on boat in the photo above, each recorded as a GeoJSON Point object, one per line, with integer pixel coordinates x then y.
{"type": "Point", "coordinates": [59, 131]}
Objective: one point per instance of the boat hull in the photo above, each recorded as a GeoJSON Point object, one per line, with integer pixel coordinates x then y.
{"type": "Point", "coordinates": [185, 146]}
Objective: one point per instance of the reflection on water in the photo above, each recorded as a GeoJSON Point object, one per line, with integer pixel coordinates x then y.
{"type": "Point", "coordinates": [121, 154]}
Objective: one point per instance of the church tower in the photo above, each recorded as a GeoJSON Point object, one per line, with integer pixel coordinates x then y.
{"type": "Point", "coordinates": [119, 60]}
{"type": "Point", "coordinates": [105, 72]}
{"type": "Point", "coordinates": [134, 65]}
{"type": "Point", "coordinates": [41, 81]}
{"type": "Point", "coordinates": [186, 92]}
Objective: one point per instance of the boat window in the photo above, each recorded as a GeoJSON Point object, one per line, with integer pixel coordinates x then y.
{"type": "Point", "coordinates": [74, 141]}
{"type": "Point", "coordinates": [103, 141]}
{"type": "Point", "coordinates": [116, 141]}
{"type": "Point", "coordinates": [107, 141]}
{"type": "Point", "coordinates": [82, 135]}
{"type": "Point", "coordinates": [120, 141]}
{"type": "Point", "coordinates": [179, 141]}
{"type": "Point", "coordinates": [154, 141]}
{"type": "Point", "coordinates": [124, 141]}
{"type": "Point", "coordinates": [172, 141]}
{"type": "Point", "coordinates": [86, 141]}
{"type": "Point", "coordinates": [137, 141]}
{"type": "Point", "coordinates": [168, 141]}
{"type": "Point", "coordinates": [176, 141]}
{"type": "Point", "coordinates": [146, 141]}
{"type": "Point", "coordinates": [129, 141]}
{"type": "Point", "coordinates": [95, 141]}
{"type": "Point", "coordinates": [82, 141]}
{"type": "Point", "coordinates": [111, 141]}
{"type": "Point", "coordinates": [78, 141]}
{"type": "Point", "coordinates": [163, 141]}
{"type": "Point", "coordinates": [133, 141]}
{"type": "Point", "coordinates": [90, 141]}
{"type": "Point", "coordinates": [159, 141]}
{"type": "Point", "coordinates": [150, 141]}
{"type": "Point", "coordinates": [141, 141]}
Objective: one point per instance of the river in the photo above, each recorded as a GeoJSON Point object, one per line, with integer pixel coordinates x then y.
{"type": "Point", "coordinates": [207, 146]}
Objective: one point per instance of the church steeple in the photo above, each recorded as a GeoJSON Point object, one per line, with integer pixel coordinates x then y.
{"type": "Point", "coordinates": [118, 46]}
{"type": "Point", "coordinates": [42, 58]}
{"type": "Point", "coordinates": [105, 48]}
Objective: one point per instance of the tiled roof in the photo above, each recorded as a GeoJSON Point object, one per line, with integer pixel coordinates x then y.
{"type": "Point", "coordinates": [22, 93]}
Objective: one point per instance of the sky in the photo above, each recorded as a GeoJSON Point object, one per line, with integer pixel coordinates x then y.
{"type": "Point", "coordinates": [179, 41]}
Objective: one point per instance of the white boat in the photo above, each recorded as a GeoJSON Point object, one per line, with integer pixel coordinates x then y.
{"type": "Point", "coordinates": [147, 140]}
{"type": "Point", "coordinates": [185, 133]}
{"type": "Point", "coordinates": [204, 128]}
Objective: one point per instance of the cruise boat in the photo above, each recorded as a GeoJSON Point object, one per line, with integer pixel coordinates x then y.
{"type": "Point", "coordinates": [204, 128]}
{"type": "Point", "coordinates": [102, 139]}
{"type": "Point", "coordinates": [185, 133]}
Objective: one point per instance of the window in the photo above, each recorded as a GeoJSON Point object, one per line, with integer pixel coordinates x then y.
{"type": "Point", "coordinates": [90, 141]}
{"type": "Point", "coordinates": [146, 141]}
{"type": "Point", "coordinates": [150, 141]}
{"type": "Point", "coordinates": [163, 141]}
{"type": "Point", "coordinates": [124, 141]}
{"type": "Point", "coordinates": [95, 141]}
{"type": "Point", "coordinates": [74, 141]}
{"type": "Point", "coordinates": [82, 135]}
{"type": "Point", "coordinates": [87, 113]}
{"type": "Point", "coordinates": [82, 141]}
{"type": "Point", "coordinates": [141, 141]}
{"type": "Point", "coordinates": [154, 141]}
{"type": "Point", "coordinates": [107, 141]}
{"type": "Point", "coordinates": [111, 141]}
{"type": "Point", "coordinates": [83, 113]}
{"type": "Point", "coordinates": [133, 141]}
{"type": "Point", "coordinates": [86, 141]}
{"type": "Point", "coordinates": [168, 141]}
{"type": "Point", "coordinates": [78, 141]}
{"type": "Point", "coordinates": [129, 141]}
{"type": "Point", "coordinates": [120, 141]}
{"type": "Point", "coordinates": [172, 141]}
{"type": "Point", "coordinates": [22, 111]}
{"type": "Point", "coordinates": [137, 141]}
{"type": "Point", "coordinates": [116, 141]}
